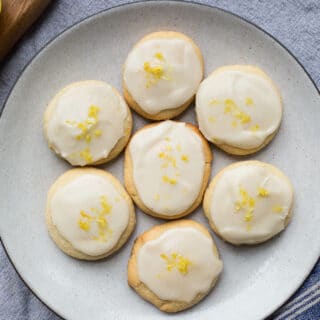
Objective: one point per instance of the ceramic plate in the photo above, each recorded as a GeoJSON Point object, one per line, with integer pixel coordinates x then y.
{"type": "Point", "coordinates": [256, 280]}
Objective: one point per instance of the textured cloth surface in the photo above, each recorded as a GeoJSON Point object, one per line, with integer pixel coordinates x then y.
{"type": "Point", "coordinates": [295, 23]}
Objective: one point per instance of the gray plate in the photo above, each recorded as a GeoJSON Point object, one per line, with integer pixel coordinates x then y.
{"type": "Point", "coordinates": [256, 280]}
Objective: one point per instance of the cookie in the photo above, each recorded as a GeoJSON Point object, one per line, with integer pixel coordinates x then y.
{"type": "Point", "coordinates": [89, 214]}
{"type": "Point", "coordinates": [239, 109]}
{"type": "Point", "coordinates": [174, 265]}
{"type": "Point", "coordinates": [166, 169]}
{"type": "Point", "coordinates": [162, 74]}
{"type": "Point", "coordinates": [248, 202]}
{"type": "Point", "coordinates": [87, 122]}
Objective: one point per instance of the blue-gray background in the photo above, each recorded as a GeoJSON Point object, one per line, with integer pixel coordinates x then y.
{"type": "Point", "coordinates": [295, 23]}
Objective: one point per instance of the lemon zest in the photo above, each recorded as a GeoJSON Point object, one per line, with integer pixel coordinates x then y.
{"type": "Point", "coordinates": [254, 128]}
{"type": "Point", "coordinates": [262, 192]}
{"type": "Point", "coordinates": [98, 217]}
{"type": "Point", "coordinates": [169, 180]}
{"type": "Point", "coordinates": [249, 101]}
{"type": "Point", "coordinates": [159, 56]}
{"type": "Point", "coordinates": [231, 107]}
{"type": "Point", "coordinates": [185, 158]}
{"type": "Point", "coordinates": [86, 155]}
{"type": "Point", "coordinates": [177, 261]}
{"type": "Point", "coordinates": [277, 209]}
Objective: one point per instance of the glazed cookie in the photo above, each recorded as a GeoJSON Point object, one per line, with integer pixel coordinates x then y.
{"type": "Point", "coordinates": [162, 74]}
{"type": "Point", "coordinates": [87, 122]}
{"type": "Point", "coordinates": [248, 202]}
{"type": "Point", "coordinates": [167, 168]}
{"type": "Point", "coordinates": [239, 109]}
{"type": "Point", "coordinates": [89, 214]}
{"type": "Point", "coordinates": [174, 265]}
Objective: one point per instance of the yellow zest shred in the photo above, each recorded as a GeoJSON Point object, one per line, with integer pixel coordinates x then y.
{"type": "Point", "coordinates": [249, 215]}
{"type": "Point", "coordinates": [86, 155]}
{"type": "Point", "coordinates": [246, 203]}
{"type": "Point", "coordinates": [97, 133]}
{"type": "Point", "coordinates": [93, 112]}
{"type": "Point", "coordinates": [156, 71]}
{"type": "Point", "coordinates": [277, 209]}
{"type": "Point", "coordinates": [214, 102]}
{"type": "Point", "coordinates": [86, 130]}
{"type": "Point", "coordinates": [166, 179]}
{"type": "Point", "coordinates": [91, 121]}
{"type": "Point", "coordinates": [84, 225]}
{"type": "Point", "coordinates": [168, 160]}
{"type": "Point", "coordinates": [168, 147]}
{"type": "Point", "coordinates": [161, 155]}
{"type": "Point", "coordinates": [71, 122]}
{"type": "Point", "coordinates": [231, 107]}
{"type": "Point", "coordinates": [254, 128]}
{"type": "Point", "coordinates": [177, 261]}
{"type": "Point", "coordinates": [262, 192]}
{"type": "Point", "coordinates": [212, 119]}
{"type": "Point", "coordinates": [185, 158]}
{"type": "Point", "coordinates": [159, 56]}
{"type": "Point", "coordinates": [97, 216]}
{"type": "Point", "coordinates": [106, 207]}
{"type": "Point", "coordinates": [249, 101]}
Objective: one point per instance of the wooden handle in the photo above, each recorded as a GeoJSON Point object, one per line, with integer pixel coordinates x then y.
{"type": "Point", "coordinates": [15, 18]}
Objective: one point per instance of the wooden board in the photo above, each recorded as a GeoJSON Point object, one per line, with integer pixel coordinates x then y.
{"type": "Point", "coordinates": [15, 18]}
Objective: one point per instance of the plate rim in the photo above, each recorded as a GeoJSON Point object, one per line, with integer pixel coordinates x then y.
{"type": "Point", "coordinates": [135, 2]}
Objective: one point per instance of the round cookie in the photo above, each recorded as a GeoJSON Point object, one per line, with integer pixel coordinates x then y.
{"type": "Point", "coordinates": [239, 109]}
{"type": "Point", "coordinates": [166, 169]}
{"type": "Point", "coordinates": [162, 74]}
{"type": "Point", "coordinates": [248, 202]}
{"type": "Point", "coordinates": [89, 214]}
{"type": "Point", "coordinates": [174, 265]}
{"type": "Point", "coordinates": [87, 122]}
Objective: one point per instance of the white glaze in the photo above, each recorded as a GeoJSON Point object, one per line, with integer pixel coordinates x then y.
{"type": "Point", "coordinates": [83, 193]}
{"type": "Point", "coordinates": [148, 171]}
{"type": "Point", "coordinates": [183, 72]}
{"type": "Point", "coordinates": [238, 85]}
{"type": "Point", "coordinates": [174, 285]}
{"type": "Point", "coordinates": [72, 105]}
{"type": "Point", "coordinates": [266, 221]}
